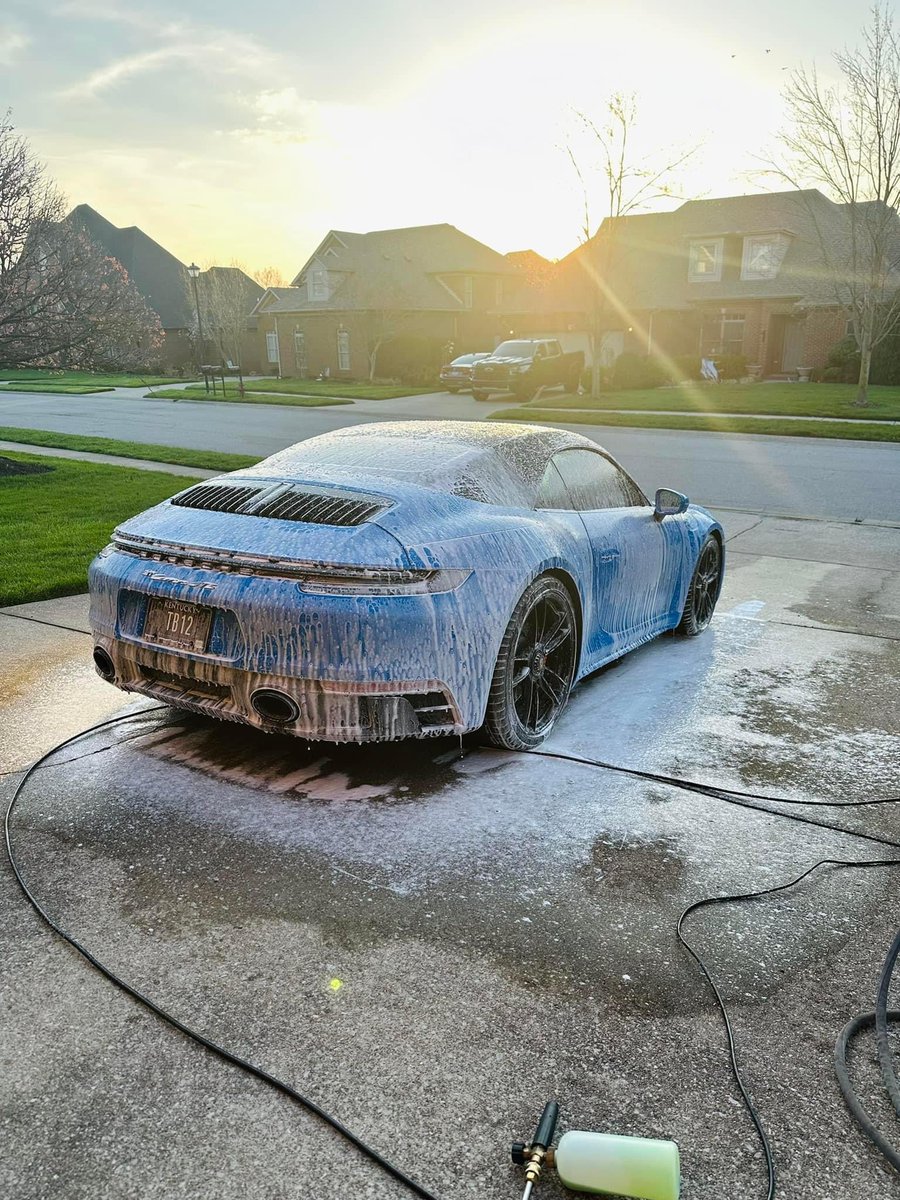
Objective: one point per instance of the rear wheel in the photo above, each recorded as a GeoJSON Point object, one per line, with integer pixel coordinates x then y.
{"type": "Point", "coordinates": [535, 667]}
{"type": "Point", "coordinates": [479, 395]}
{"type": "Point", "coordinates": [704, 590]}
{"type": "Point", "coordinates": [452, 391]}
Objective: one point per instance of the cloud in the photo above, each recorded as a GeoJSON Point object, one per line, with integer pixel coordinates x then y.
{"type": "Point", "coordinates": [12, 43]}
{"type": "Point", "coordinates": [209, 52]}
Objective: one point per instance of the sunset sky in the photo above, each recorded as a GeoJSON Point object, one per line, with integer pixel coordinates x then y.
{"type": "Point", "coordinates": [241, 131]}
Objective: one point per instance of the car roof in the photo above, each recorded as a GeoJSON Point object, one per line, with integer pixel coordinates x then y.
{"type": "Point", "coordinates": [495, 462]}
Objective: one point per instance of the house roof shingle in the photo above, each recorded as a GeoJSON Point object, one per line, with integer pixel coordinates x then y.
{"type": "Point", "coordinates": [392, 268]}
{"type": "Point", "coordinates": [650, 269]}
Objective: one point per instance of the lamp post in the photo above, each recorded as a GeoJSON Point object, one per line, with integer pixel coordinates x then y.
{"type": "Point", "coordinates": [193, 270]}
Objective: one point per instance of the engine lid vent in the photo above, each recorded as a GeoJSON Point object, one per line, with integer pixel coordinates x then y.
{"type": "Point", "coordinates": [318, 508]}
{"type": "Point", "coordinates": [284, 502]}
{"type": "Point", "coordinates": [218, 497]}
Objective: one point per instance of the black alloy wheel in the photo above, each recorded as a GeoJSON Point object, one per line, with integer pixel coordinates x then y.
{"type": "Point", "coordinates": [704, 590]}
{"type": "Point", "coordinates": [535, 667]}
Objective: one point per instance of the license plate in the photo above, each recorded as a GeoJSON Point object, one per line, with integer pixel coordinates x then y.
{"type": "Point", "coordinates": [177, 623]}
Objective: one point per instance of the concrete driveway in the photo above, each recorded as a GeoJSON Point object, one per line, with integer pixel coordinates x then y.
{"type": "Point", "coordinates": [502, 926]}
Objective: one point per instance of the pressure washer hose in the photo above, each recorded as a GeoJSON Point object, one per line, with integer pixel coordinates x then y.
{"type": "Point", "coordinates": [881, 1017]}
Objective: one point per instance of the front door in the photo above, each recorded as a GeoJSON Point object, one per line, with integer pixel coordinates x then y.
{"type": "Point", "coordinates": [792, 354]}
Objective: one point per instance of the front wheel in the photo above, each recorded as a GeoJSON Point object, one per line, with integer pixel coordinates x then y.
{"type": "Point", "coordinates": [452, 390]}
{"type": "Point", "coordinates": [535, 667]}
{"type": "Point", "coordinates": [479, 395]}
{"type": "Point", "coordinates": [704, 590]}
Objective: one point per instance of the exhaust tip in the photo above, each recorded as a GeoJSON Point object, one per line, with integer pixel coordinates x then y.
{"type": "Point", "coordinates": [105, 666]}
{"type": "Point", "coordinates": [274, 706]}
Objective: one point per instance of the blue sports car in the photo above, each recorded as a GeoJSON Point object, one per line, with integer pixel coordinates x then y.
{"type": "Point", "coordinates": [397, 580]}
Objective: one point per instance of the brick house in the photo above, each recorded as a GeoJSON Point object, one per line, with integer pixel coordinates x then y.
{"type": "Point", "coordinates": [163, 281]}
{"type": "Point", "coordinates": [747, 275]}
{"type": "Point", "coordinates": [428, 290]}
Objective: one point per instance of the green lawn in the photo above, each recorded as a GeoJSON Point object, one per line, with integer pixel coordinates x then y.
{"type": "Point", "coordinates": [54, 524]}
{"type": "Point", "coordinates": [306, 392]}
{"type": "Point", "coordinates": [211, 460]}
{"type": "Point", "coordinates": [865, 431]}
{"type": "Point", "coordinates": [768, 399]}
{"type": "Point", "coordinates": [335, 387]}
{"type": "Point", "coordinates": [86, 378]}
{"type": "Point", "coordinates": [65, 389]}
{"type": "Point", "coordinates": [233, 395]}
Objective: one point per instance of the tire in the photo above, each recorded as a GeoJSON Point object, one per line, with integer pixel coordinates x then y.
{"type": "Point", "coordinates": [452, 391]}
{"type": "Point", "coordinates": [477, 395]}
{"type": "Point", "coordinates": [524, 392]}
{"type": "Point", "coordinates": [706, 583]}
{"type": "Point", "coordinates": [535, 667]}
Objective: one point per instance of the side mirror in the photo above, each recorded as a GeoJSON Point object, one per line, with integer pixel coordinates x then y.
{"type": "Point", "coordinates": [669, 503]}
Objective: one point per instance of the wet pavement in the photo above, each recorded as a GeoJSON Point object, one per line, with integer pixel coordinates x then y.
{"type": "Point", "coordinates": [432, 943]}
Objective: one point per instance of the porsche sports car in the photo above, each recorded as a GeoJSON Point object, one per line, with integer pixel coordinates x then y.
{"type": "Point", "coordinates": [404, 579]}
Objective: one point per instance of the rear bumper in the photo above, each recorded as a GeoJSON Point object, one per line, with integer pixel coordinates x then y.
{"type": "Point", "coordinates": [325, 710]}
{"type": "Point", "coordinates": [357, 668]}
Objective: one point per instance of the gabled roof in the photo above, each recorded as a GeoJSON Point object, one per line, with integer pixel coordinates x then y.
{"type": "Point", "coordinates": [649, 268]}
{"type": "Point", "coordinates": [158, 275]}
{"type": "Point", "coordinates": [394, 268]}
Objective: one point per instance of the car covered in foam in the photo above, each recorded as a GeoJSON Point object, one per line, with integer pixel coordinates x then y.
{"type": "Point", "coordinates": [400, 579]}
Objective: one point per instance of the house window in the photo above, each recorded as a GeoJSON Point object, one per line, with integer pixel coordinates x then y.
{"type": "Point", "coordinates": [343, 350]}
{"type": "Point", "coordinates": [467, 291]}
{"type": "Point", "coordinates": [300, 351]}
{"type": "Point", "coordinates": [763, 256]}
{"type": "Point", "coordinates": [723, 333]}
{"type": "Point", "coordinates": [272, 354]}
{"type": "Point", "coordinates": [317, 288]}
{"type": "Point", "coordinates": [705, 263]}
{"type": "Point", "coordinates": [498, 293]}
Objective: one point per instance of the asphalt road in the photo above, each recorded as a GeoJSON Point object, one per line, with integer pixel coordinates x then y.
{"type": "Point", "coordinates": [433, 945]}
{"type": "Point", "coordinates": [838, 480]}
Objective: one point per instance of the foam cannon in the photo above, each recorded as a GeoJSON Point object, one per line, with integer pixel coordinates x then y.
{"type": "Point", "coordinates": [602, 1163]}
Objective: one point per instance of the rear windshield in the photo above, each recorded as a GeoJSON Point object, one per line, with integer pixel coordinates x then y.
{"type": "Point", "coordinates": [456, 468]}
{"type": "Point", "coordinates": [514, 350]}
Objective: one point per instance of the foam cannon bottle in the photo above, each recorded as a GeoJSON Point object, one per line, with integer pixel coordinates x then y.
{"type": "Point", "coordinates": [602, 1163]}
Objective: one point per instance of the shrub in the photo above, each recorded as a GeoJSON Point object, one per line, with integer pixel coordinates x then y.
{"type": "Point", "coordinates": [636, 371]}
{"type": "Point", "coordinates": [843, 362]}
{"type": "Point", "coordinates": [731, 366]}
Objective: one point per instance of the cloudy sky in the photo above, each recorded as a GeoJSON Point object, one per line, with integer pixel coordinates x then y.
{"type": "Point", "coordinates": [245, 131]}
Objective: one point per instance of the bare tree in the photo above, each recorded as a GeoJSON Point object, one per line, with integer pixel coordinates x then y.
{"type": "Point", "coordinates": [226, 296]}
{"type": "Point", "coordinates": [62, 302]}
{"type": "Point", "coordinates": [626, 185]}
{"type": "Point", "coordinates": [269, 277]}
{"type": "Point", "coordinates": [846, 139]}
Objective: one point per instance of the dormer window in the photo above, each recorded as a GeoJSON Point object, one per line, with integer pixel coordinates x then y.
{"type": "Point", "coordinates": [317, 284]}
{"type": "Point", "coordinates": [763, 255]}
{"type": "Point", "coordinates": [705, 261]}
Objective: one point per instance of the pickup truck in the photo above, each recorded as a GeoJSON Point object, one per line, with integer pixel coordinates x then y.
{"type": "Point", "coordinates": [523, 366]}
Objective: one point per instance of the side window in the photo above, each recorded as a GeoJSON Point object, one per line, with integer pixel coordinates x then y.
{"type": "Point", "coordinates": [593, 482]}
{"type": "Point", "coordinates": [552, 491]}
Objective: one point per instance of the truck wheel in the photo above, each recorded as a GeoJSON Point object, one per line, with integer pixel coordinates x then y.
{"type": "Point", "coordinates": [478, 395]}
{"type": "Point", "coordinates": [524, 392]}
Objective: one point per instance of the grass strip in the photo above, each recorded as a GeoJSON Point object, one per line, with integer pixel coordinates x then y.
{"type": "Point", "coordinates": [53, 524]}
{"type": "Point", "coordinates": [232, 395]}
{"type": "Point", "coordinates": [763, 399]}
{"type": "Point", "coordinates": [337, 387]}
{"type": "Point", "coordinates": [706, 423]}
{"type": "Point", "coordinates": [102, 378]}
{"type": "Point", "coordinates": [65, 389]}
{"type": "Point", "coordinates": [210, 460]}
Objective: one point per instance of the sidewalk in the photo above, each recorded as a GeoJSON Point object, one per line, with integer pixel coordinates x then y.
{"type": "Point", "coordinates": [110, 460]}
